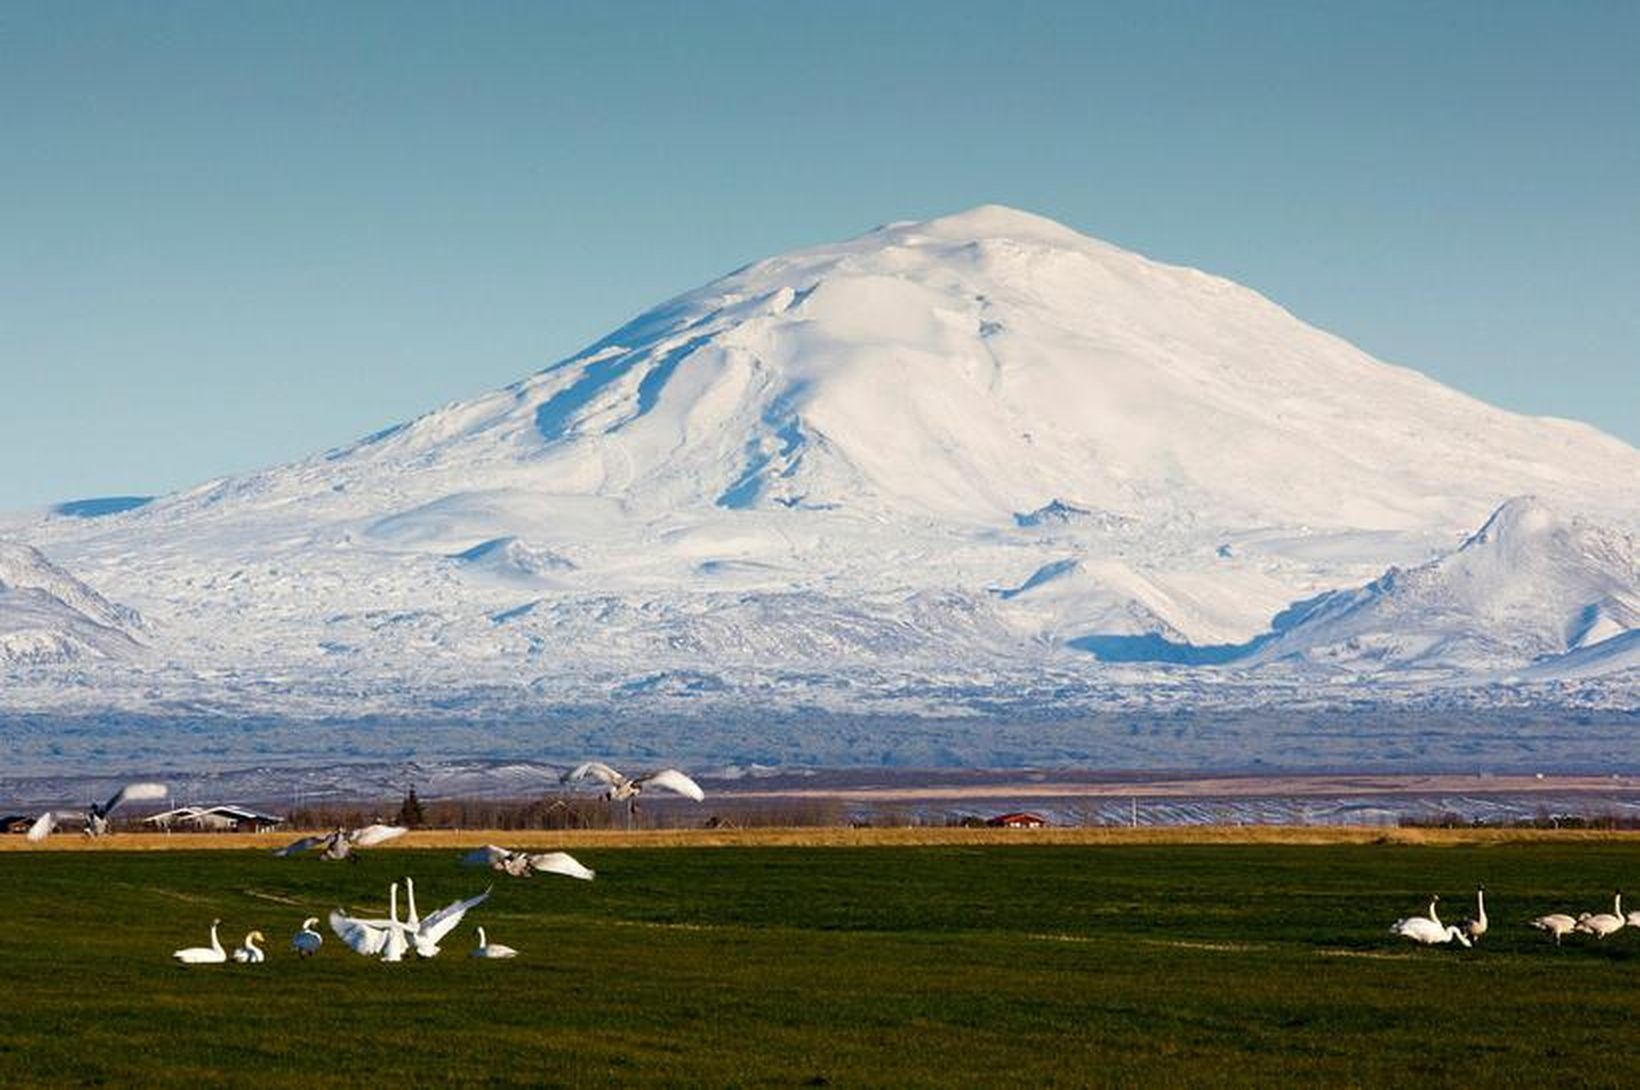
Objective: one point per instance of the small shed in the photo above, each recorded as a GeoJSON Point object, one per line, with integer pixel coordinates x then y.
{"type": "Point", "coordinates": [16, 823]}
{"type": "Point", "coordinates": [1019, 819]}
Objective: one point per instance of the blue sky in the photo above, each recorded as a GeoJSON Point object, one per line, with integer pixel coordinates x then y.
{"type": "Point", "coordinates": [236, 234]}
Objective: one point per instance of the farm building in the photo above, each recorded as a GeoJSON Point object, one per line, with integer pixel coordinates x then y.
{"type": "Point", "coordinates": [1020, 819]}
{"type": "Point", "coordinates": [14, 823]}
{"type": "Point", "coordinates": [171, 819]}
{"type": "Point", "coordinates": [215, 819]}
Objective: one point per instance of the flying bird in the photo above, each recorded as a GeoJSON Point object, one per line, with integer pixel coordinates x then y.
{"type": "Point", "coordinates": [524, 864]}
{"type": "Point", "coordinates": [341, 843]}
{"type": "Point", "coordinates": [618, 786]}
{"type": "Point", "coordinates": [96, 818]}
{"type": "Point", "coordinates": [488, 949]}
{"type": "Point", "coordinates": [203, 955]}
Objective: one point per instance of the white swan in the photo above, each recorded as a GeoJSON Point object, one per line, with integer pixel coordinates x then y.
{"type": "Point", "coordinates": [307, 941]}
{"type": "Point", "coordinates": [96, 818]}
{"type": "Point", "coordinates": [439, 924]}
{"type": "Point", "coordinates": [488, 949]}
{"type": "Point", "coordinates": [1603, 923]}
{"type": "Point", "coordinates": [398, 943]}
{"type": "Point", "coordinates": [340, 843]}
{"type": "Point", "coordinates": [629, 787]}
{"type": "Point", "coordinates": [371, 937]}
{"type": "Point", "coordinates": [1427, 930]}
{"type": "Point", "coordinates": [524, 864]}
{"type": "Point", "coordinates": [248, 953]}
{"type": "Point", "coordinates": [203, 955]}
{"type": "Point", "coordinates": [1556, 924]}
{"type": "Point", "coordinates": [1475, 927]}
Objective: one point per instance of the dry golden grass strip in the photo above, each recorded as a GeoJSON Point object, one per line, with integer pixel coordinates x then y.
{"type": "Point", "coordinates": [840, 837]}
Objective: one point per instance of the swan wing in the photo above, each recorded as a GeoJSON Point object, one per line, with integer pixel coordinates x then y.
{"type": "Point", "coordinates": [436, 925]}
{"type": "Point", "coordinates": [596, 769]}
{"type": "Point", "coordinates": [135, 792]}
{"type": "Point", "coordinates": [487, 856]}
{"type": "Point", "coordinates": [296, 847]}
{"type": "Point", "coordinates": [361, 937]}
{"type": "Point", "coordinates": [376, 834]}
{"type": "Point", "coordinates": [671, 779]}
{"type": "Point", "coordinates": [42, 827]}
{"type": "Point", "coordinates": [561, 863]}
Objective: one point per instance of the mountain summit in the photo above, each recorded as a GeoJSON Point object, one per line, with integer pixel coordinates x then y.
{"type": "Point", "coordinates": [975, 366]}
{"type": "Point", "coordinates": [944, 456]}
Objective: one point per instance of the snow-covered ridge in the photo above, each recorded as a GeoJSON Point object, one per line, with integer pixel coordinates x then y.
{"type": "Point", "coordinates": [913, 470]}
{"type": "Point", "coordinates": [48, 616]}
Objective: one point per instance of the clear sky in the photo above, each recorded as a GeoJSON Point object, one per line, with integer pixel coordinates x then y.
{"type": "Point", "coordinates": [234, 234]}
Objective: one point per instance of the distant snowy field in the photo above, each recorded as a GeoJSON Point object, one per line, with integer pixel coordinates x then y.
{"type": "Point", "coordinates": [979, 490]}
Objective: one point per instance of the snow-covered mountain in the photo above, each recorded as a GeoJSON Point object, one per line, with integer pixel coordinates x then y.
{"type": "Point", "coordinates": [1527, 587]}
{"type": "Point", "coordinates": [48, 616]}
{"type": "Point", "coordinates": [913, 471]}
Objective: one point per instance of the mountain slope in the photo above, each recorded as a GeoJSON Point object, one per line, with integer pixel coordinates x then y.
{"type": "Point", "coordinates": [47, 616]}
{"type": "Point", "coordinates": [1526, 586]}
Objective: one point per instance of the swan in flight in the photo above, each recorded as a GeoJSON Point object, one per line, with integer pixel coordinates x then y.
{"type": "Point", "coordinates": [524, 864]}
{"type": "Point", "coordinates": [248, 953]}
{"type": "Point", "coordinates": [620, 787]}
{"type": "Point", "coordinates": [307, 941]}
{"type": "Point", "coordinates": [203, 955]}
{"type": "Point", "coordinates": [488, 949]}
{"type": "Point", "coordinates": [1475, 927]}
{"type": "Point", "coordinates": [1556, 924]}
{"type": "Point", "coordinates": [96, 818]}
{"type": "Point", "coordinates": [340, 844]}
{"type": "Point", "coordinates": [1604, 923]}
{"type": "Point", "coordinates": [1427, 930]}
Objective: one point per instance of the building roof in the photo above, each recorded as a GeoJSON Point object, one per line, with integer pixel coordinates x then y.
{"type": "Point", "coordinates": [1019, 817]}
{"type": "Point", "coordinates": [227, 810]}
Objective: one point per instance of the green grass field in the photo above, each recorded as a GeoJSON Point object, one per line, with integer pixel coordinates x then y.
{"type": "Point", "coordinates": [1247, 965]}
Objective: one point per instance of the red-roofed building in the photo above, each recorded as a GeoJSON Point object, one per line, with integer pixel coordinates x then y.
{"type": "Point", "coordinates": [1020, 820]}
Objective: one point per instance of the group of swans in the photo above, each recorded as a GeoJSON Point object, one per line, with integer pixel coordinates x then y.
{"type": "Point", "coordinates": [96, 816]}
{"type": "Point", "coordinates": [1598, 924]}
{"type": "Point", "coordinates": [392, 938]}
{"type": "Point", "coordinates": [1428, 929]}
{"type": "Point", "coordinates": [524, 864]}
{"type": "Point", "coordinates": [246, 953]}
{"type": "Point", "coordinates": [341, 843]}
